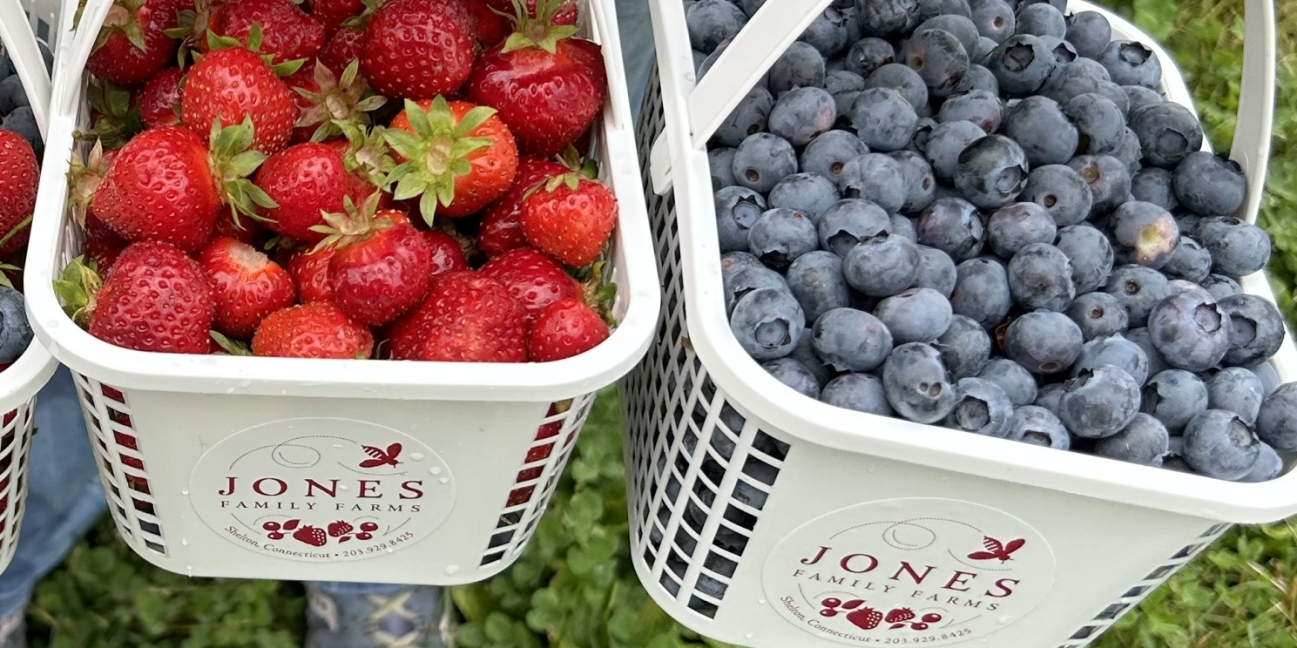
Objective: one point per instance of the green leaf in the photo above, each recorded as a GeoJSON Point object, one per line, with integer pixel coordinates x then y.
{"type": "Point", "coordinates": [472, 120]}
{"type": "Point", "coordinates": [405, 143]}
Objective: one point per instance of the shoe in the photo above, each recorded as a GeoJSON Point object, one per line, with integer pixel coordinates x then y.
{"type": "Point", "coordinates": [345, 615]}
{"type": "Point", "coordinates": [13, 630]}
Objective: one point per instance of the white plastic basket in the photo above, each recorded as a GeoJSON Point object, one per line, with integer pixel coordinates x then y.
{"type": "Point", "coordinates": [200, 454]}
{"type": "Point", "coordinates": [20, 25]}
{"type": "Point", "coordinates": [746, 535]}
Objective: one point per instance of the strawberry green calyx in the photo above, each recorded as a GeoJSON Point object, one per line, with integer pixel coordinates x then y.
{"type": "Point", "coordinates": [190, 29]}
{"type": "Point", "coordinates": [540, 31]}
{"type": "Point", "coordinates": [255, 37]}
{"type": "Point", "coordinates": [121, 20]}
{"type": "Point", "coordinates": [5, 269]}
{"type": "Point", "coordinates": [436, 153]}
{"type": "Point", "coordinates": [367, 152]}
{"type": "Point", "coordinates": [599, 294]}
{"type": "Point", "coordinates": [356, 224]}
{"type": "Point", "coordinates": [77, 289]}
{"type": "Point", "coordinates": [116, 121]}
{"type": "Point", "coordinates": [232, 160]}
{"type": "Point", "coordinates": [84, 178]}
{"type": "Point", "coordinates": [230, 347]}
{"type": "Point", "coordinates": [361, 21]}
{"type": "Point", "coordinates": [338, 101]}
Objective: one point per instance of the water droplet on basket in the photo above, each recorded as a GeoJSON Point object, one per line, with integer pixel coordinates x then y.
{"type": "Point", "coordinates": [184, 542]}
{"type": "Point", "coordinates": [343, 486]}
{"type": "Point", "coordinates": [1003, 620]}
{"type": "Point", "coordinates": [444, 480]}
{"type": "Point", "coordinates": [389, 550]}
{"type": "Point", "coordinates": [749, 635]}
{"type": "Point", "coordinates": [451, 569]}
{"type": "Point", "coordinates": [761, 601]}
{"type": "Point", "coordinates": [435, 470]}
{"type": "Point", "coordinates": [189, 571]}
{"type": "Point", "coordinates": [416, 456]}
{"type": "Point", "coordinates": [337, 445]}
{"type": "Point", "coordinates": [185, 493]}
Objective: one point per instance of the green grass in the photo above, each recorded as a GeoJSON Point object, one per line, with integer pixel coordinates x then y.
{"type": "Point", "coordinates": [574, 587]}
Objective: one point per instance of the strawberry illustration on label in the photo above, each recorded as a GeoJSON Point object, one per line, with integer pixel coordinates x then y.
{"type": "Point", "coordinates": [899, 615]}
{"type": "Point", "coordinates": [865, 618]}
{"type": "Point", "coordinates": [339, 528]}
{"type": "Point", "coordinates": [381, 457]}
{"type": "Point", "coordinates": [996, 549]}
{"type": "Point", "coordinates": [310, 535]}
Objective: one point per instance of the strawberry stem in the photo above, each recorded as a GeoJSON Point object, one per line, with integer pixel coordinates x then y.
{"type": "Point", "coordinates": [353, 226]}
{"type": "Point", "coordinates": [77, 289]}
{"type": "Point", "coordinates": [540, 32]}
{"type": "Point", "coordinates": [436, 153]}
{"type": "Point", "coordinates": [22, 225]}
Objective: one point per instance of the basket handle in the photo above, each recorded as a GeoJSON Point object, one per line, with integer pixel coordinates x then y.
{"type": "Point", "coordinates": [1255, 121]}
{"type": "Point", "coordinates": [761, 42]}
{"type": "Point", "coordinates": [20, 42]}
{"type": "Point", "coordinates": [74, 51]}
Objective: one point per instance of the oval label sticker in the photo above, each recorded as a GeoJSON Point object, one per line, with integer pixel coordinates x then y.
{"type": "Point", "coordinates": [903, 572]}
{"type": "Point", "coordinates": [322, 489]}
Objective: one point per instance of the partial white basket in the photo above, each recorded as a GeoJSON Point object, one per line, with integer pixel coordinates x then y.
{"type": "Point", "coordinates": [366, 471]}
{"type": "Point", "coordinates": [766, 519]}
{"type": "Point", "coordinates": [19, 26]}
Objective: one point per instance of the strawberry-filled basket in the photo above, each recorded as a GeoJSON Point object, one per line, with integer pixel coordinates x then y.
{"type": "Point", "coordinates": [835, 438]}
{"type": "Point", "coordinates": [324, 335]}
{"type": "Point", "coordinates": [25, 366]}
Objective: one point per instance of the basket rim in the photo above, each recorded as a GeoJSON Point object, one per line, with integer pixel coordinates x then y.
{"type": "Point", "coordinates": [638, 300]}
{"type": "Point", "coordinates": [757, 393]}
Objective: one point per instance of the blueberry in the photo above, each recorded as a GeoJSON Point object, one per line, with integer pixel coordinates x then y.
{"type": "Point", "coordinates": [1189, 261]}
{"type": "Point", "coordinates": [922, 133]}
{"type": "Point", "coordinates": [804, 353]}
{"type": "Point", "coordinates": [1139, 289]}
{"type": "Point", "coordinates": [980, 78]}
{"type": "Point", "coordinates": [1041, 19]}
{"type": "Point", "coordinates": [1131, 63]}
{"type": "Point", "coordinates": [1108, 177]}
{"type": "Point", "coordinates": [780, 236]}
{"type": "Point", "coordinates": [1174, 459]}
{"type": "Point", "coordinates": [1210, 184]}
{"type": "Point", "coordinates": [1190, 330]}
{"type": "Point", "coordinates": [750, 7]}
{"type": "Point", "coordinates": [904, 227]}
{"type": "Point", "coordinates": [919, 181]}
{"type": "Point", "coordinates": [748, 118]}
{"type": "Point", "coordinates": [1116, 351]}
{"type": "Point", "coordinates": [1187, 220]}
{"type": "Point", "coordinates": [917, 384]}
{"type": "Point", "coordinates": [827, 154]}
{"type": "Point", "coordinates": [903, 79]}
{"type": "Point", "coordinates": [981, 407]}
{"type": "Point", "coordinates": [1256, 329]}
{"type": "Point", "coordinates": [762, 160]}
{"type": "Point", "coordinates": [991, 171]}
{"type": "Point", "coordinates": [1015, 226]}
{"type": "Point", "coordinates": [23, 122]}
{"type": "Point", "coordinates": [15, 331]}
{"type": "Point", "coordinates": [12, 94]}
{"type": "Point", "coordinates": [1129, 151]}
{"type": "Point", "coordinates": [827, 33]}
{"type": "Point", "coordinates": [1098, 314]}
{"type": "Point", "coordinates": [965, 347]}
{"type": "Point", "coordinates": [6, 65]}
{"type": "Point", "coordinates": [1237, 390]}
{"type": "Point", "coordinates": [981, 107]}
{"type": "Point", "coordinates": [1038, 426]}
{"type": "Point", "coordinates": [1089, 32]}
{"type": "Point", "coordinates": [1143, 233]}
{"type": "Point", "coordinates": [710, 60]}
{"type": "Point", "coordinates": [802, 114]}
{"type": "Point", "coordinates": [1268, 466]}
{"type": "Point", "coordinates": [794, 374]}
{"type": "Point", "coordinates": [929, 9]}
{"type": "Point", "coordinates": [1180, 285]}
{"type": "Point", "coordinates": [915, 315]}
{"type": "Point", "coordinates": [1040, 277]}
{"type": "Point", "coordinates": [981, 291]}
{"type": "Point", "coordinates": [1238, 248]}
{"type": "Point", "coordinates": [849, 222]}
{"type": "Point", "coordinates": [1167, 131]}
{"type": "Point", "coordinates": [1277, 422]}
{"type": "Point", "coordinates": [1099, 402]}
{"type": "Point", "coordinates": [1143, 441]}
{"type": "Point", "coordinates": [816, 280]}
{"type": "Point", "coordinates": [869, 54]}
{"type": "Point", "coordinates": [945, 144]}
{"type": "Point", "coordinates": [1049, 396]}
{"type": "Point", "coordinates": [1153, 185]}
{"type": "Point", "coordinates": [713, 21]}
{"type": "Point", "coordinates": [876, 178]}
{"type": "Point", "coordinates": [844, 87]}
{"type": "Point", "coordinates": [1021, 64]}
{"type": "Point", "coordinates": [883, 265]}
{"type": "Point", "coordinates": [742, 273]}
{"type": "Point", "coordinates": [1070, 80]}
{"type": "Point", "coordinates": [936, 271]}
{"type": "Point", "coordinates": [767, 323]}
{"type": "Point", "coordinates": [721, 161]}
{"type": "Point", "coordinates": [1062, 192]}
{"type": "Point", "coordinates": [860, 392]}
{"type": "Point", "coordinates": [851, 340]}
{"type": "Point", "coordinates": [939, 58]}
{"type": "Point", "coordinates": [1043, 342]}
{"type": "Point", "coordinates": [886, 18]}
{"type": "Point", "coordinates": [1174, 397]}
{"type": "Point", "coordinates": [1044, 131]}
{"type": "Point", "coordinates": [1219, 444]}
{"type": "Point", "coordinates": [808, 193]}
{"type": "Point", "coordinates": [1269, 377]}
{"type": "Point", "coordinates": [959, 25]}
{"type": "Point", "coordinates": [1221, 286]}
{"type": "Point", "coordinates": [1140, 336]}
{"type": "Point", "coordinates": [801, 66]}
{"type": "Point", "coordinates": [1098, 120]}
{"type": "Point", "coordinates": [1063, 50]}
{"type": "Point", "coordinates": [1139, 96]}
{"type": "Point", "coordinates": [737, 208]}
{"type": "Point", "coordinates": [953, 226]}
{"type": "Point", "coordinates": [994, 20]}
{"type": "Point", "coordinates": [883, 119]}
{"type": "Point", "coordinates": [1017, 382]}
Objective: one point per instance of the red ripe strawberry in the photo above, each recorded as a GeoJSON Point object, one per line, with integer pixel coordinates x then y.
{"type": "Point", "coordinates": [310, 535]}
{"type": "Point", "coordinates": [500, 231]}
{"type": "Point", "coordinates": [343, 48]}
{"type": "Point", "coordinates": [288, 33]}
{"type": "Point", "coordinates": [533, 278]}
{"type": "Point", "coordinates": [318, 330]}
{"type": "Point", "coordinates": [102, 245]}
{"type": "Point", "coordinates": [19, 175]}
{"type": "Point", "coordinates": [324, 101]}
{"type": "Point", "coordinates": [243, 230]}
{"type": "Point", "coordinates": [570, 217]}
{"type": "Point", "coordinates": [332, 13]}
{"type": "Point", "coordinates": [467, 318]}
{"type": "Point", "coordinates": [133, 45]}
{"type": "Point", "coordinates": [418, 49]}
{"type": "Point", "coordinates": [492, 28]}
{"type": "Point", "coordinates": [305, 180]}
{"type": "Point", "coordinates": [234, 84]}
{"type": "Point", "coordinates": [447, 255]}
{"type": "Point", "coordinates": [564, 329]}
{"type": "Point", "coordinates": [454, 154]}
{"type": "Point", "coordinates": [156, 299]}
{"type": "Point", "coordinates": [246, 285]}
{"type": "Point", "coordinates": [547, 86]}
{"type": "Point", "coordinates": [381, 268]}
{"type": "Point", "coordinates": [159, 100]}
{"type": "Point", "coordinates": [310, 271]}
